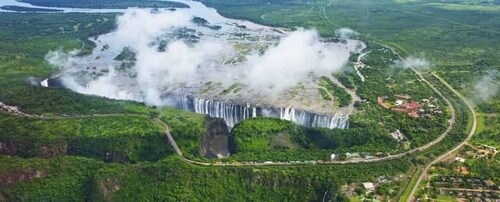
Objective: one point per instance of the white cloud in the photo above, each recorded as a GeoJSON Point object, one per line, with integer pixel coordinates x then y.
{"type": "Point", "coordinates": [280, 67]}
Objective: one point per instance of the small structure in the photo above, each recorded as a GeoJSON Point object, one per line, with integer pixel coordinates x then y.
{"type": "Point", "coordinates": [369, 186]}
{"type": "Point", "coordinates": [352, 155]}
{"type": "Point", "coordinates": [45, 83]}
{"type": "Point", "coordinates": [413, 114]}
{"type": "Point", "coordinates": [332, 157]}
{"type": "Point", "coordinates": [489, 182]}
{"type": "Point", "coordinates": [397, 135]}
{"type": "Point", "coordinates": [459, 159]}
{"type": "Point", "coordinates": [411, 105]}
{"type": "Point", "coordinates": [380, 101]}
{"type": "Point", "coordinates": [411, 108]}
{"type": "Point", "coordinates": [406, 97]}
{"type": "Point", "coordinates": [490, 148]}
{"type": "Point", "coordinates": [11, 109]}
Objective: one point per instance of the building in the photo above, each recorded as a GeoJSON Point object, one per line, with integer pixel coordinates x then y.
{"type": "Point", "coordinates": [352, 155]}
{"type": "Point", "coordinates": [459, 159]}
{"type": "Point", "coordinates": [380, 101]}
{"type": "Point", "coordinates": [490, 148]}
{"type": "Point", "coordinates": [411, 105]}
{"type": "Point", "coordinates": [413, 114]}
{"type": "Point", "coordinates": [397, 135]}
{"type": "Point", "coordinates": [406, 97]}
{"type": "Point", "coordinates": [332, 157]}
{"type": "Point", "coordinates": [45, 83]}
{"type": "Point", "coordinates": [369, 186]}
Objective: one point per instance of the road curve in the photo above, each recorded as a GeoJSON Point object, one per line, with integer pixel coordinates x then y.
{"type": "Point", "coordinates": [471, 133]}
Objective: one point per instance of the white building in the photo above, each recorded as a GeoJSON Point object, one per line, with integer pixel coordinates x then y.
{"type": "Point", "coordinates": [368, 185]}
{"type": "Point", "coordinates": [459, 159]}
{"type": "Point", "coordinates": [45, 83]}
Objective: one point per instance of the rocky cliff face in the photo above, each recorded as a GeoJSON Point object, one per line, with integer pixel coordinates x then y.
{"type": "Point", "coordinates": [16, 176]}
{"type": "Point", "coordinates": [217, 141]}
{"type": "Point", "coordinates": [25, 148]}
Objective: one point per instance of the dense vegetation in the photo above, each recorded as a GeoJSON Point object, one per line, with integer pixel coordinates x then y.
{"type": "Point", "coordinates": [262, 139]}
{"type": "Point", "coordinates": [187, 128]}
{"type": "Point", "coordinates": [119, 138]}
{"type": "Point", "coordinates": [78, 179]}
{"type": "Point", "coordinates": [107, 3]}
{"type": "Point", "coordinates": [488, 132]}
{"type": "Point", "coordinates": [56, 179]}
{"type": "Point", "coordinates": [340, 95]}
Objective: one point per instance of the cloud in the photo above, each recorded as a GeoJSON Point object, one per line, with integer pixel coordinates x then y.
{"type": "Point", "coordinates": [414, 62]}
{"type": "Point", "coordinates": [487, 87]}
{"type": "Point", "coordinates": [292, 59]}
{"type": "Point", "coordinates": [345, 33]}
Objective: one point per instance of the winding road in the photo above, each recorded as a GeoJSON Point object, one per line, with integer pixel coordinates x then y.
{"type": "Point", "coordinates": [471, 133]}
{"type": "Point", "coordinates": [451, 121]}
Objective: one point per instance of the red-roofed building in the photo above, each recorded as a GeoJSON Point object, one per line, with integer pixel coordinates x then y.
{"type": "Point", "coordinates": [398, 110]}
{"type": "Point", "coordinates": [411, 105]}
{"type": "Point", "coordinates": [380, 101]}
{"type": "Point", "coordinates": [413, 114]}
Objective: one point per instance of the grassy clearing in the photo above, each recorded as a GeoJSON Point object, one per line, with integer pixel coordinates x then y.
{"type": "Point", "coordinates": [266, 139]}
{"type": "Point", "coordinates": [406, 194]}
{"type": "Point", "coordinates": [488, 132]}
{"type": "Point", "coordinates": [445, 198]}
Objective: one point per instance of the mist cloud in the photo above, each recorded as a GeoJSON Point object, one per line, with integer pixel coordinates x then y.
{"type": "Point", "coordinates": [345, 33]}
{"type": "Point", "coordinates": [414, 62]}
{"type": "Point", "coordinates": [292, 60]}
{"type": "Point", "coordinates": [283, 65]}
{"type": "Point", "coordinates": [487, 87]}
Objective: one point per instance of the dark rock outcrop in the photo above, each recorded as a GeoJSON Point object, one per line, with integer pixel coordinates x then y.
{"type": "Point", "coordinates": [217, 140]}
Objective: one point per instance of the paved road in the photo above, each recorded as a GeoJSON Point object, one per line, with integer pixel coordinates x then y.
{"type": "Point", "coordinates": [169, 136]}
{"type": "Point", "coordinates": [471, 190]}
{"type": "Point", "coordinates": [471, 133]}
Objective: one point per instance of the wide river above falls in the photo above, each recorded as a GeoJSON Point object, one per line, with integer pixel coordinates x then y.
{"type": "Point", "coordinates": [195, 7]}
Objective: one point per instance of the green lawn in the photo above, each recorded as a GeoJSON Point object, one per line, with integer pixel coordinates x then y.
{"type": "Point", "coordinates": [413, 181]}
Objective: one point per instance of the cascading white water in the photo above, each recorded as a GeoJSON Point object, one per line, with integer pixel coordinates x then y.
{"type": "Point", "coordinates": [314, 120]}
{"type": "Point", "coordinates": [233, 113]}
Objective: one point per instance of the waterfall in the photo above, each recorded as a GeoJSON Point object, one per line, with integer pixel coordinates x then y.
{"type": "Point", "coordinates": [234, 113]}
